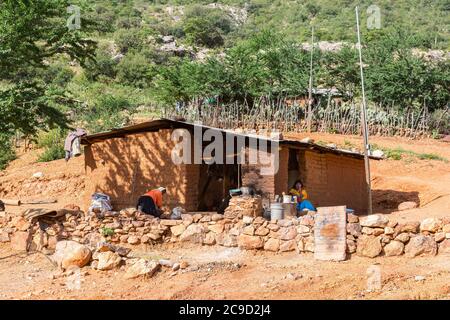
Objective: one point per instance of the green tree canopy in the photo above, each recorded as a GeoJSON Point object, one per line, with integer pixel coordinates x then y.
{"type": "Point", "coordinates": [32, 32]}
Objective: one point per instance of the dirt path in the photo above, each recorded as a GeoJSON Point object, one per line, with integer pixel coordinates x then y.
{"type": "Point", "coordinates": [229, 273]}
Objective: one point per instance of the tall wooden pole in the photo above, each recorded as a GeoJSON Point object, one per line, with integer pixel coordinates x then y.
{"type": "Point", "coordinates": [310, 82]}
{"type": "Point", "coordinates": [364, 119]}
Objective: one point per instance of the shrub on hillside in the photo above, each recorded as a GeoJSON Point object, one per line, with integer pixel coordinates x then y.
{"type": "Point", "coordinates": [206, 27]}
{"type": "Point", "coordinates": [7, 152]}
{"type": "Point", "coordinates": [58, 74]}
{"type": "Point", "coordinates": [104, 64]}
{"type": "Point", "coordinates": [51, 153]}
{"type": "Point", "coordinates": [127, 39]}
{"type": "Point", "coordinates": [108, 112]}
{"type": "Point", "coordinates": [135, 70]}
{"type": "Point", "coordinates": [46, 139]}
{"type": "Point", "coordinates": [53, 143]}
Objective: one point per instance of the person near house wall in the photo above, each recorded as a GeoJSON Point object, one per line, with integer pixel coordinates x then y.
{"type": "Point", "coordinates": [151, 202]}
{"type": "Point", "coordinates": [298, 190]}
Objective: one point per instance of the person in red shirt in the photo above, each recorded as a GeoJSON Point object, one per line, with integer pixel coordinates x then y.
{"type": "Point", "coordinates": [151, 202]}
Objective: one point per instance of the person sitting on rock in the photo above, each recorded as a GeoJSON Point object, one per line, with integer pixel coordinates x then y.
{"type": "Point", "coordinates": [298, 190]}
{"type": "Point", "coordinates": [151, 202]}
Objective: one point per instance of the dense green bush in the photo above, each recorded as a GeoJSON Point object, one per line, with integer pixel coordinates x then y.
{"type": "Point", "coordinates": [52, 142]}
{"type": "Point", "coordinates": [58, 74]}
{"type": "Point", "coordinates": [7, 152]}
{"type": "Point", "coordinates": [105, 18]}
{"type": "Point", "coordinates": [129, 17]}
{"type": "Point", "coordinates": [103, 66]}
{"type": "Point", "coordinates": [127, 39]}
{"type": "Point", "coordinates": [51, 153]}
{"type": "Point", "coordinates": [108, 112]}
{"type": "Point", "coordinates": [206, 27]}
{"type": "Point", "coordinates": [47, 139]}
{"type": "Point", "coordinates": [135, 70]}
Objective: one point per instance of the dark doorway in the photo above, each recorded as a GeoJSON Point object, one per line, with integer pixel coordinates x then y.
{"type": "Point", "coordinates": [293, 167]}
{"type": "Point", "coordinates": [215, 182]}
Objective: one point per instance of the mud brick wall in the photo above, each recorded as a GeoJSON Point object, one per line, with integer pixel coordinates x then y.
{"type": "Point", "coordinates": [333, 180]}
{"type": "Point", "coordinates": [267, 185]}
{"type": "Point", "coordinates": [127, 167]}
{"type": "Point", "coordinates": [251, 176]}
{"type": "Point", "coordinates": [281, 177]}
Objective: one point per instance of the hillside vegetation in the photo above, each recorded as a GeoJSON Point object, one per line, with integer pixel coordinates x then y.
{"type": "Point", "coordinates": [149, 57]}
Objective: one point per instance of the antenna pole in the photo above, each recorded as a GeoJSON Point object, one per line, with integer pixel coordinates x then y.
{"type": "Point", "coordinates": [310, 82]}
{"type": "Point", "coordinates": [364, 119]}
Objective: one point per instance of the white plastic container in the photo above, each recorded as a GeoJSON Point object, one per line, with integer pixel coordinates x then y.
{"type": "Point", "coordinates": [276, 211]}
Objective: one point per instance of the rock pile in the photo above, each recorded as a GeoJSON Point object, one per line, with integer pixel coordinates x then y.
{"type": "Point", "coordinates": [244, 206]}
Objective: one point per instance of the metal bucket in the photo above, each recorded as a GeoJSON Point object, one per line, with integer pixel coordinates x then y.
{"type": "Point", "coordinates": [276, 211]}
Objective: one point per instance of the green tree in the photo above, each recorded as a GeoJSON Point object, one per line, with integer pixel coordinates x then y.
{"type": "Point", "coordinates": [31, 33]}
{"type": "Point", "coordinates": [341, 70]}
{"type": "Point", "coordinates": [397, 76]}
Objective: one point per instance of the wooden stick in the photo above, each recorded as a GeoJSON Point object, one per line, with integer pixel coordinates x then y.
{"type": "Point", "coordinates": [11, 202]}
{"type": "Point", "coordinates": [39, 201]}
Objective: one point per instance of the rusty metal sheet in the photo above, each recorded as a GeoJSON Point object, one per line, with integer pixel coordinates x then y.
{"type": "Point", "coordinates": [330, 233]}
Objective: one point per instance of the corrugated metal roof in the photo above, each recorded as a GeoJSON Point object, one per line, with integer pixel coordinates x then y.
{"type": "Point", "coordinates": [155, 125]}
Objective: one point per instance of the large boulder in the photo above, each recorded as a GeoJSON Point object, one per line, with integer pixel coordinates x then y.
{"type": "Point", "coordinates": [262, 231]}
{"type": "Point", "coordinates": [216, 228]}
{"type": "Point", "coordinates": [394, 248]}
{"type": "Point", "coordinates": [421, 245]}
{"type": "Point", "coordinates": [209, 239]}
{"type": "Point", "coordinates": [250, 242]}
{"type": "Point", "coordinates": [142, 267]}
{"type": "Point", "coordinates": [108, 260]}
{"type": "Point", "coordinates": [430, 225]}
{"type": "Point", "coordinates": [439, 236]}
{"type": "Point", "coordinates": [368, 246]}
{"type": "Point", "coordinates": [309, 244]}
{"type": "Point", "coordinates": [374, 220]}
{"type": "Point", "coordinates": [133, 239]}
{"type": "Point", "coordinates": [351, 218]}
{"type": "Point", "coordinates": [71, 253]}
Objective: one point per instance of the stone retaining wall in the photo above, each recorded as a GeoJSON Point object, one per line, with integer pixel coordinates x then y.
{"type": "Point", "coordinates": [369, 236]}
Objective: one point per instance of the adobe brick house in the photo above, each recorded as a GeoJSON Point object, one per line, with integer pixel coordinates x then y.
{"type": "Point", "coordinates": [124, 163]}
